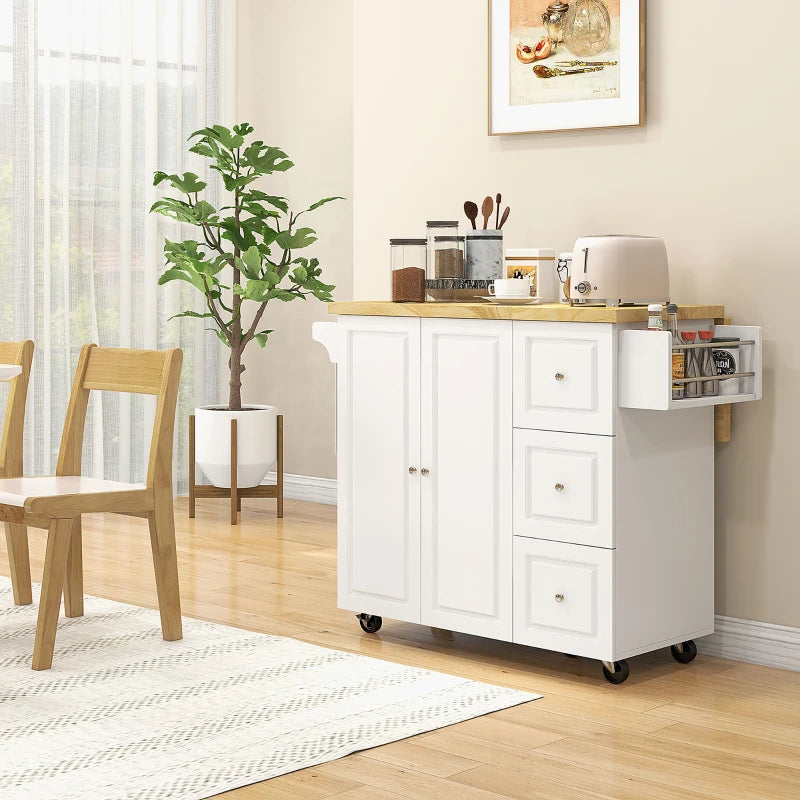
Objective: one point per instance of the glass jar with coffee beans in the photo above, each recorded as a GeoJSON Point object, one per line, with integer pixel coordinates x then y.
{"type": "Point", "coordinates": [408, 261]}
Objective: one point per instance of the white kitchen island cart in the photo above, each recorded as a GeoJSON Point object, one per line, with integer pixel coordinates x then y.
{"type": "Point", "coordinates": [522, 473]}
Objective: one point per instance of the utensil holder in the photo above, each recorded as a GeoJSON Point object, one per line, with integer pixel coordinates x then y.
{"type": "Point", "coordinates": [484, 255]}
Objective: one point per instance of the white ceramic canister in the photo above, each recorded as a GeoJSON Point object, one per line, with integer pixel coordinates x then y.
{"type": "Point", "coordinates": [540, 262]}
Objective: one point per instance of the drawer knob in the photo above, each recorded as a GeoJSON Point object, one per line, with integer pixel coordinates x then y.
{"type": "Point", "coordinates": [559, 487]}
{"type": "Point", "coordinates": [559, 376]}
{"type": "Point", "coordinates": [412, 470]}
{"type": "Point", "coordinates": [559, 598]}
{"type": "Point", "coordinates": [425, 471]}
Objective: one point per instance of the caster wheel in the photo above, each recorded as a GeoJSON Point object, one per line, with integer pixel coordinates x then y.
{"type": "Point", "coordinates": [685, 652]}
{"type": "Point", "coordinates": [370, 623]}
{"type": "Point", "coordinates": [620, 673]}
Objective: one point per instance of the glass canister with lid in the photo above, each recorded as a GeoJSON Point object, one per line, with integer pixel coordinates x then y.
{"type": "Point", "coordinates": [408, 261]}
{"type": "Point", "coordinates": [436, 228]}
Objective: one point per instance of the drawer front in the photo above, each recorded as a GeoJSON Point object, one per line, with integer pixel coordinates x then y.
{"type": "Point", "coordinates": [563, 376]}
{"type": "Point", "coordinates": [564, 487]}
{"type": "Point", "coordinates": [563, 597]}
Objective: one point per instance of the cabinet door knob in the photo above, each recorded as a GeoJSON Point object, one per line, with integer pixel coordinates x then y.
{"type": "Point", "coordinates": [559, 376]}
{"type": "Point", "coordinates": [559, 598]}
{"type": "Point", "coordinates": [412, 470]}
{"type": "Point", "coordinates": [559, 487]}
{"type": "Point", "coordinates": [425, 471]}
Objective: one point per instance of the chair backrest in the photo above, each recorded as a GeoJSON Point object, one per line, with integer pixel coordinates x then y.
{"type": "Point", "coordinates": [20, 353]}
{"type": "Point", "coordinates": [112, 369]}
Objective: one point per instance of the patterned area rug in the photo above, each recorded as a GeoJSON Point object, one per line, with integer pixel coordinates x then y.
{"type": "Point", "coordinates": [123, 714]}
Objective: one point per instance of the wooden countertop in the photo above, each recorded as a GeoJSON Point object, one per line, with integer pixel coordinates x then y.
{"type": "Point", "coordinates": [549, 312]}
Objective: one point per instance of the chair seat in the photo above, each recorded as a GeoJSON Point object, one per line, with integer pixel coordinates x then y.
{"type": "Point", "coordinates": [16, 491]}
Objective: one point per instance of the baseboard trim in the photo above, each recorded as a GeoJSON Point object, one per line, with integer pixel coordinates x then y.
{"type": "Point", "coordinates": [754, 642]}
{"type": "Point", "coordinates": [306, 487]}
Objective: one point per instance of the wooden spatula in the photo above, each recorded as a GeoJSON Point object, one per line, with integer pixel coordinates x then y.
{"type": "Point", "coordinates": [487, 209]}
{"type": "Point", "coordinates": [471, 210]}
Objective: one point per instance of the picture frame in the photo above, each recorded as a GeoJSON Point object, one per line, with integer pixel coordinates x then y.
{"type": "Point", "coordinates": [589, 96]}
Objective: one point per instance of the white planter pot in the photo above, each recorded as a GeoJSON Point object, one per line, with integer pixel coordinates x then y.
{"type": "Point", "coordinates": [256, 442]}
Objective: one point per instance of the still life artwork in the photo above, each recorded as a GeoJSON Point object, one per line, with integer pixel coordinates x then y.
{"type": "Point", "coordinates": [565, 65]}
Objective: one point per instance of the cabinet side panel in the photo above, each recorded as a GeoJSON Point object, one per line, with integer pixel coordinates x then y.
{"type": "Point", "coordinates": [379, 498]}
{"type": "Point", "coordinates": [664, 484]}
{"type": "Point", "coordinates": [466, 444]}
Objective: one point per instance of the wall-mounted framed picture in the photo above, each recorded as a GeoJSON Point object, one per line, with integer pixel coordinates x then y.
{"type": "Point", "coordinates": [556, 66]}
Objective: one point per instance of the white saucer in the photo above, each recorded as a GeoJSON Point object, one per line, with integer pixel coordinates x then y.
{"type": "Point", "coordinates": [512, 301]}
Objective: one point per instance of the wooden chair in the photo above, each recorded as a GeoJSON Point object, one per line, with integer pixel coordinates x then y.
{"type": "Point", "coordinates": [56, 503]}
{"type": "Point", "coordinates": [21, 354]}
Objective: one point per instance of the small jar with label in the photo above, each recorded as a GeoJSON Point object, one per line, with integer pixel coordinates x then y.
{"type": "Point", "coordinates": [655, 321]}
{"type": "Point", "coordinates": [408, 260]}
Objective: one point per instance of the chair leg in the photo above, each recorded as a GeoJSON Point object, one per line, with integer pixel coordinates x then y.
{"type": "Point", "coordinates": [19, 563]}
{"type": "Point", "coordinates": [165, 562]}
{"type": "Point", "coordinates": [55, 568]}
{"type": "Point", "coordinates": [73, 585]}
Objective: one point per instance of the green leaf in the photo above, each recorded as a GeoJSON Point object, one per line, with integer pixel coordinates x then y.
{"type": "Point", "coordinates": [181, 275]}
{"type": "Point", "coordinates": [252, 260]}
{"type": "Point", "coordinates": [196, 314]}
{"type": "Point", "coordinates": [257, 196]}
{"type": "Point", "coordinates": [300, 275]}
{"type": "Point", "coordinates": [221, 336]}
{"type": "Point", "coordinates": [262, 337]}
{"type": "Point", "coordinates": [294, 240]}
{"type": "Point", "coordinates": [318, 204]}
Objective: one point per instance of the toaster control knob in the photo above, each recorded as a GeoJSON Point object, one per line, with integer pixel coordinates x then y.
{"type": "Point", "coordinates": [583, 287]}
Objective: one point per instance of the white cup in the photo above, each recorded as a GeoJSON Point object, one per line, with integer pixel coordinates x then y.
{"type": "Point", "coordinates": [510, 288]}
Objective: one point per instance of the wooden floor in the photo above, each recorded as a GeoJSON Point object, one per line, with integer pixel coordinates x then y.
{"type": "Point", "coordinates": [715, 728]}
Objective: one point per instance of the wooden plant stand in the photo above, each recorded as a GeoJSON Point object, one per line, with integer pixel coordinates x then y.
{"type": "Point", "coordinates": [234, 493]}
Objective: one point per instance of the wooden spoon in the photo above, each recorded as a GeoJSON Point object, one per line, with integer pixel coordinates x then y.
{"type": "Point", "coordinates": [471, 210]}
{"type": "Point", "coordinates": [498, 200]}
{"type": "Point", "coordinates": [504, 217]}
{"type": "Point", "coordinates": [486, 209]}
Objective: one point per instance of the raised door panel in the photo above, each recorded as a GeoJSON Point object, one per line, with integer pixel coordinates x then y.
{"type": "Point", "coordinates": [563, 376]}
{"type": "Point", "coordinates": [466, 495]}
{"type": "Point", "coordinates": [563, 597]}
{"type": "Point", "coordinates": [564, 487]}
{"type": "Point", "coordinates": [378, 433]}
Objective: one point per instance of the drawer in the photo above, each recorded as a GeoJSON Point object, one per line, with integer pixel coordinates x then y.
{"type": "Point", "coordinates": [563, 597]}
{"type": "Point", "coordinates": [564, 487]}
{"type": "Point", "coordinates": [563, 376]}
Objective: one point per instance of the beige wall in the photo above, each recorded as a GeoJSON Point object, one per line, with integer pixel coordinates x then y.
{"type": "Point", "coordinates": [294, 81]}
{"type": "Point", "coordinates": [715, 172]}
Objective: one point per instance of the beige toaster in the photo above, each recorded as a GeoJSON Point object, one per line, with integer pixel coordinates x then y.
{"type": "Point", "coordinates": [619, 269]}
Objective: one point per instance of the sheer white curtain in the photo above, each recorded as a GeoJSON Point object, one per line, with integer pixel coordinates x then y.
{"type": "Point", "coordinates": [95, 95]}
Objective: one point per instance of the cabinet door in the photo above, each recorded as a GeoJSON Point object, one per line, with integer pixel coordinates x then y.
{"type": "Point", "coordinates": [378, 441]}
{"type": "Point", "coordinates": [466, 495]}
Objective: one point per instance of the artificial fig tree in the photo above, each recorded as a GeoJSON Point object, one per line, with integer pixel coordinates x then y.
{"type": "Point", "coordinates": [250, 243]}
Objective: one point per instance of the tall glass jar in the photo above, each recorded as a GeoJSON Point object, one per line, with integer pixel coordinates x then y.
{"type": "Point", "coordinates": [436, 228]}
{"type": "Point", "coordinates": [587, 28]}
{"type": "Point", "coordinates": [445, 280]}
{"type": "Point", "coordinates": [408, 260]}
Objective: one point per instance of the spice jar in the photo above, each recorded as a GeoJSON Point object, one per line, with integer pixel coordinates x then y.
{"type": "Point", "coordinates": [708, 365]}
{"type": "Point", "coordinates": [692, 365]}
{"type": "Point", "coordinates": [408, 259]}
